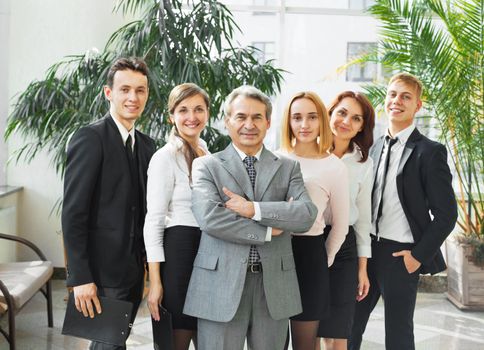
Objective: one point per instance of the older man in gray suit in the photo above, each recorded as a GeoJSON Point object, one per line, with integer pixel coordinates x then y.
{"type": "Point", "coordinates": [246, 201]}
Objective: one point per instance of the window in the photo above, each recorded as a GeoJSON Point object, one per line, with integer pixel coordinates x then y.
{"type": "Point", "coordinates": [366, 72]}
{"type": "Point", "coordinates": [360, 4]}
{"type": "Point", "coordinates": [266, 50]}
{"type": "Point", "coordinates": [265, 3]}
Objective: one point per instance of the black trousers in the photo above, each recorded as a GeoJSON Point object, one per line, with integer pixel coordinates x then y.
{"type": "Point", "coordinates": [390, 279]}
{"type": "Point", "coordinates": [132, 292]}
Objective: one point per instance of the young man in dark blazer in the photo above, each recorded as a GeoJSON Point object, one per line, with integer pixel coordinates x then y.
{"type": "Point", "coordinates": [104, 197]}
{"type": "Point", "coordinates": [414, 210]}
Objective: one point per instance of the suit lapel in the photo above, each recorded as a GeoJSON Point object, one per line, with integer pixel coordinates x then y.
{"type": "Point", "coordinates": [114, 131]}
{"type": "Point", "coordinates": [140, 154]}
{"type": "Point", "coordinates": [266, 168]}
{"type": "Point", "coordinates": [407, 152]}
{"type": "Point", "coordinates": [231, 162]}
{"type": "Point", "coordinates": [376, 156]}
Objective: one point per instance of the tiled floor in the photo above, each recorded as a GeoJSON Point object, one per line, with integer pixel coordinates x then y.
{"type": "Point", "coordinates": [438, 326]}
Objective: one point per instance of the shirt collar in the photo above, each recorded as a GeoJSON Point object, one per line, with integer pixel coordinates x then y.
{"type": "Point", "coordinates": [242, 155]}
{"type": "Point", "coordinates": [124, 133]}
{"type": "Point", "coordinates": [356, 153]}
{"type": "Point", "coordinates": [402, 135]}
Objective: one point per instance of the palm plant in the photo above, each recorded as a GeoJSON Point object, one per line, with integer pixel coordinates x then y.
{"type": "Point", "coordinates": [181, 41]}
{"type": "Point", "coordinates": [441, 42]}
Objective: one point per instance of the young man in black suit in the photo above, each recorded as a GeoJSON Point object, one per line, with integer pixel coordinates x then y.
{"type": "Point", "coordinates": [104, 197]}
{"type": "Point", "coordinates": [414, 210]}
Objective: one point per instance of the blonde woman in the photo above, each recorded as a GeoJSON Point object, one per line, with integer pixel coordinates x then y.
{"type": "Point", "coordinates": [307, 138]}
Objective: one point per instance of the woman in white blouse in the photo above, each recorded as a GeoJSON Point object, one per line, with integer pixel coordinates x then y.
{"type": "Point", "coordinates": [306, 137]}
{"type": "Point", "coordinates": [171, 233]}
{"type": "Point", "coordinates": [352, 120]}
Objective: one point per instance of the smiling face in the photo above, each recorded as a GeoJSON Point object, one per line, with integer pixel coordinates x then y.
{"type": "Point", "coordinates": [304, 121]}
{"type": "Point", "coordinates": [346, 119]}
{"type": "Point", "coordinates": [127, 96]}
{"type": "Point", "coordinates": [247, 124]}
{"type": "Point", "coordinates": [190, 117]}
{"type": "Point", "coordinates": [401, 104]}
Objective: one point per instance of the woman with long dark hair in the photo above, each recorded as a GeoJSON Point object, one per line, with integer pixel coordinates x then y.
{"type": "Point", "coordinates": [352, 120]}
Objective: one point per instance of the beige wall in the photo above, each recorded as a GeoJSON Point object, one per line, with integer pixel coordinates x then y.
{"type": "Point", "coordinates": [40, 34]}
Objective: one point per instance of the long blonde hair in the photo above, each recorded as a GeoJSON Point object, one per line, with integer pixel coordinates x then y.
{"type": "Point", "coordinates": [325, 134]}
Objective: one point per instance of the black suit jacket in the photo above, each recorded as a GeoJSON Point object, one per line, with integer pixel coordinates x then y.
{"type": "Point", "coordinates": [96, 219]}
{"type": "Point", "coordinates": [424, 184]}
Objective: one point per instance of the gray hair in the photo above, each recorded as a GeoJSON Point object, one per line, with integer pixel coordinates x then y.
{"type": "Point", "coordinates": [250, 92]}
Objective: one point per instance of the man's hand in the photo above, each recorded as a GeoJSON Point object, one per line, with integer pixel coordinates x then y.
{"type": "Point", "coordinates": [411, 264]}
{"type": "Point", "coordinates": [276, 232]}
{"type": "Point", "coordinates": [155, 295]}
{"type": "Point", "coordinates": [239, 204]}
{"type": "Point", "coordinates": [85, 296]}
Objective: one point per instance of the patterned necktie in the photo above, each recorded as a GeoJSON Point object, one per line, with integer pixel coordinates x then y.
{"type": "Point", "coordinates": [249, 165]}
{"type": "Point", "coordinates": [389, 144]}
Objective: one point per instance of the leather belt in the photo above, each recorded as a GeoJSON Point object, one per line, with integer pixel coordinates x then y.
{"type": "Point", "coordinates": [388, 241]}
{"type": "Point", "coordinates": [254, 268]}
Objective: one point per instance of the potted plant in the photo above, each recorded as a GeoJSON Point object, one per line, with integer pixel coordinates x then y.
{"type": "Point", "coordinates": [180, 41]}
{"type": "Point", "coordinates": [441, 42]}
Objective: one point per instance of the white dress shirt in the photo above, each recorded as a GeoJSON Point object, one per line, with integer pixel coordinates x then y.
{"type": "Point", "coordinates": [393, 223]}
{"type": "Point", "coordinates": [168, 196]}
{"type": "Point", "coordinates": [124, 133]}
{"type": "Point", "coordinates": [360, 176]}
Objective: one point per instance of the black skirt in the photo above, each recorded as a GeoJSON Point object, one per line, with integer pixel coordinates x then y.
{"type": "Point", "coordinates": [181, 246]}
{"type": "Point", "coordinates": [313, 276]}
{"type": "Point", "coordinates": [343, 279]}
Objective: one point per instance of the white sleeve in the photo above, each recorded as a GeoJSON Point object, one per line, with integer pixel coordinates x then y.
{"type": "Point", "coordinates": [339, 204]}
{"type": "Point", "coordinates": [257, 217]}
{"type": "Point", "coordinates": [363, 203]}
{"type": "Point", "coordinates": [159, 191]}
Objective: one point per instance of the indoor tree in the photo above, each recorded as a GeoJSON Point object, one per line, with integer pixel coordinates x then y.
{"type": "Point", "coordinates": [181, 41]}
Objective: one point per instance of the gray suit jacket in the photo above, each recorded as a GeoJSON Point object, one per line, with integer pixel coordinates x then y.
{"type": "Point", "coordinates": [220, 266]}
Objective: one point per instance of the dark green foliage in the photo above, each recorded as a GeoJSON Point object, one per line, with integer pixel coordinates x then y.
{"type": "Point", "coordinates": [181, 41]}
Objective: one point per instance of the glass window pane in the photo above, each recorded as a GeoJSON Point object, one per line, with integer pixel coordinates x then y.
{"type": "Point", "coordinates": [366, 72]}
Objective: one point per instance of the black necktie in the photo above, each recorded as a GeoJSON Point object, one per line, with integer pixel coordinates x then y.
{"type": "Point", "coordinates": [249, 161]}
{"type": "Point", "coordinates": [389, 144]}
{"type": "Point", "coordinates": [129, 155]}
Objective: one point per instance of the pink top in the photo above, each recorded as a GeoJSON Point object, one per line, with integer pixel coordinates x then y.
{"type": "Point", "coordinates": [326, 180]}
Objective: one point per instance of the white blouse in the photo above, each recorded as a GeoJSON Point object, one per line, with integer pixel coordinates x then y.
{"type": "Point", "coordinates": [360, 184]}
{"type": "Point", "coordinates": [326, 181]}
{"type": "Point", "coordinates": [168, 196]}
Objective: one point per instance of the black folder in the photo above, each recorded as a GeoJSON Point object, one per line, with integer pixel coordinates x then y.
{"type": "Point", "coordinates": [111, 326]}
{"type": "Point", "coordinates": [163, 331]}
